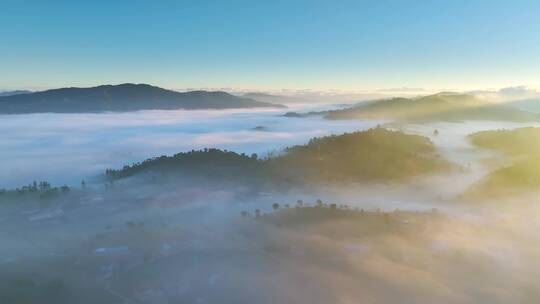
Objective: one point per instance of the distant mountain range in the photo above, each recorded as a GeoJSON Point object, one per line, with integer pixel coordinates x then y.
{"type": "Point", "coordinates": [122, 98]}
{"type": "Point", "coordinates": [438, 107]}
{"type": "Point", "coordinates": [16, 92]}
{"type": "Point", "coordinates": [265, 97]}
{"type": "Point", "coordinates": [530, 105]}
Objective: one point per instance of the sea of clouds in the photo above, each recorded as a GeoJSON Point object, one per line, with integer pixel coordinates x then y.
{"type": "Point", "coordinates": [66, 148]}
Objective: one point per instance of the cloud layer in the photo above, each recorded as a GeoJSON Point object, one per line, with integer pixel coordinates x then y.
{"type": "Point", "coordinates": [64, 148]}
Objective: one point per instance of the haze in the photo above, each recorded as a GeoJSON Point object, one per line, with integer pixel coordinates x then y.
{"type": "Point", "coordinates": [287, 152]}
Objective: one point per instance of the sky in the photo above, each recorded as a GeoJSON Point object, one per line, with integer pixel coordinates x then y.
{"type": "Point", "coordinates": [271, 45]}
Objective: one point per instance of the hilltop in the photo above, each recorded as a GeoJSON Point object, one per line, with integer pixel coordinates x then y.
{"type": "Point", "coordinates": [366, 156]}
{"type": "Point", "coordinates": [522, 175]}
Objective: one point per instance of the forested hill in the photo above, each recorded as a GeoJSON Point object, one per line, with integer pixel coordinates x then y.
{"type": "Point", "coordinates": [120, 98]}
{"type": "Point", "coordinates": [517, 142]}
{"type": "Point", "coordinates": [522, 175]}
{"type": "Point", "coordinates": [373, 155]}
{"type": "Point", "coordinates": [438, 107]}
{"type": "Point", "coordinates": [208, 163]}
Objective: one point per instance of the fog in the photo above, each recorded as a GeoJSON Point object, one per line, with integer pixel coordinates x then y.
{"type": "Point", "coordinates": [66, 148]}
{"type": "Point", "coordinates": [192, 246]}
{"type": "Point", "coordinates": [177, 240]}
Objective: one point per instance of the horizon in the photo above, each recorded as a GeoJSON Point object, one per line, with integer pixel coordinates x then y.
{"type": "Point", "coordinates": [401, 91]}
{"type": "Point", "coordinates": [210, 151]}
{"type": "Point", "coordinates": [351, 46]}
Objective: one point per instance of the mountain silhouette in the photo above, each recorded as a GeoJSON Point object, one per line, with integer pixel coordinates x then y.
{"type": "Point", "coordinates": [122, 98]}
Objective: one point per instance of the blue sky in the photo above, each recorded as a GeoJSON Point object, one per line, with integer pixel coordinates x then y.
{"type": "Point", "coordinates": [270, 45]}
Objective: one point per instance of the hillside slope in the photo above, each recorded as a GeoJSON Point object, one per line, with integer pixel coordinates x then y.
{"type": "Point", "coordinates": [367, 156]}
{"type": "Point", "coordinates": [522, 147]}
{"type": "Point", "coordinates": [438, 107]}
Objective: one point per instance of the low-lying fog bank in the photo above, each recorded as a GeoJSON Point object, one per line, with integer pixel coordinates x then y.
{"type": "Point", "coordinates": [65, 148]}
{"type": "Point", "coordinates": [179, 239]}
{"type": "Point", "coordinates": [198, 245]}
{"type": "Point", "coordinates": [451, 140]}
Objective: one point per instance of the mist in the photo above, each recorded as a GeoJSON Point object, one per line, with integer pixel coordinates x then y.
{"type": "Point", "coordinates": [66, 148]}
{"type": "Point", "coordinates": [181, 242]}
{"type": "Point", "coordinates": [269, 152]}
{"type": "Point", "coordinates": [192, 240]}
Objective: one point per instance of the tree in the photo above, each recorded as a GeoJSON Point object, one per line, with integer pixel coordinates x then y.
{"type": "Point", "coordinates": [333, 206]}
{"type": "Point", "coordinates": [319, 203]}
{"type": "Point", "coordinates": [275, 206]}
{"type": "Point", "coordinates": [300, 203]}
{"type": "Point", "coordinates": [44, 186]}
{"type": "Point", "coordinates": [83, 184]}
{"type": "Point", "coordinates": [257, 213]}
{"type": "Point", "coordinates": [244, 214]}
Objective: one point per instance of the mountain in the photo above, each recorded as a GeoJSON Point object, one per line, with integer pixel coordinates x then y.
{"type": "Point", "coordinates": [366, 156]}
{"type": "Point", "coordinates": [297, 98]}
{"type": "Point", "coordinates": [529, 105]}
{"type": "Point", "coordinates": [438, 107]}
{"type": "Point", "coordinates": [257, 95]}
{"type": "Point", "coordinates": [16, 92]}
{"type": "Point", "coordinates": [121, 98]}
{"type": "Point", "coordinates": [278, 99]}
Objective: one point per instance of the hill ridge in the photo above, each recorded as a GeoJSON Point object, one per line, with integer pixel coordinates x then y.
{"type": "Point", "coordinates": [122, 98]}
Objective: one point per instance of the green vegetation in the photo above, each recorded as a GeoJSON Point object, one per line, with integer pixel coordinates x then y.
{"type": "Point", "coordinates": [523, 175]}
{"type": "Point", "coordinates": [22, 290]}
{"type": "Point", "coordinates": [438, 107]}
{"type": "Point", "coordinates": [517, 142]}
{"type": "Point", "coordinates": [207, 163]}
{"type": "Point", "coordinates": [518, 178]}
{"type": "Point", "coordinates": [42, 190]}
{"type": "Point", "coordinates": [329, 232]}
{"type": "Point", "coordinates": [372, 155]}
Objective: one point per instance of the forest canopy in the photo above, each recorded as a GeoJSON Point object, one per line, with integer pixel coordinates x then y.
{"type": "Point", "coordinates": [523, 174]}
{"type": "Point", "coordinates": [373, 155]}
